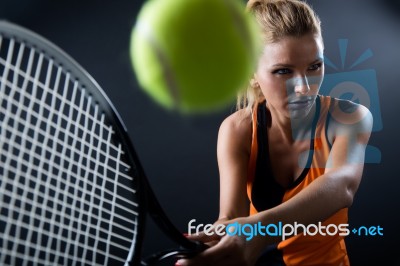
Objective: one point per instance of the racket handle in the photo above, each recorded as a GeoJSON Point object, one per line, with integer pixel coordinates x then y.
{"type": "Point", "coordinates": [179, 253]}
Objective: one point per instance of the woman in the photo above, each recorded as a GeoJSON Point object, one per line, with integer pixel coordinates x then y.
{"type": "Point", "coordinates": [288, 154]}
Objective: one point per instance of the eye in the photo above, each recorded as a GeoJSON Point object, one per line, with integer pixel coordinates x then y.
{"type": "Point", "coordinates": [282, 71]}
{"type": "Point", "coordinates": [315, 67]}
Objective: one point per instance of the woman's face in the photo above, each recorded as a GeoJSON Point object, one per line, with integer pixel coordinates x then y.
{"type": "Point", "coordinates": [290, 73]}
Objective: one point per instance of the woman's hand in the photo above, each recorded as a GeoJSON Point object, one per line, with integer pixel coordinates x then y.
{"type": "Point", "coordinates": [227, 250]}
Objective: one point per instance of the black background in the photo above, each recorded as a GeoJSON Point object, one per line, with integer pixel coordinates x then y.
{"type": "Point", "coordinates": [179, 152]}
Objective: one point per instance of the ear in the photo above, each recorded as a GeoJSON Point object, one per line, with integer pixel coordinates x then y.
{"type": "Point", "coordinates": [254, 82]}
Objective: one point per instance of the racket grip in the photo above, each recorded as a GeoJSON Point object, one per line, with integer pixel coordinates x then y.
{"type": "Point", "coordinates": [176, 253]}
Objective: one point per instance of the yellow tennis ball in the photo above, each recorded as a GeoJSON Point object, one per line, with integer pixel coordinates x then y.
{"type": "Point", "coordinates": [194, 55]}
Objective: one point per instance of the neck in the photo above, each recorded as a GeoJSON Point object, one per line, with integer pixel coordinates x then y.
{"type": "Point", "coordinates": [292, 129]}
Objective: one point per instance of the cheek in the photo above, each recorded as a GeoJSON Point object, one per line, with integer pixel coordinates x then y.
{"type": "Point", "coordinates": [317, 84]}
{"type": "Point", "coordinates": [274, 89]}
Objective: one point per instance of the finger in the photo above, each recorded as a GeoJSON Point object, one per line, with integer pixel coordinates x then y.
{"type": "Point", "coordinates": [210, 256]}
{"type": "Point", "coordinates": [211, 243]}
{"type": "Point", "coordinates": [202, 237]}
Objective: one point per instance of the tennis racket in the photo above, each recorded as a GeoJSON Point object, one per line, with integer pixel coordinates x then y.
{"type": "Point", "coordinates": [72, 189]}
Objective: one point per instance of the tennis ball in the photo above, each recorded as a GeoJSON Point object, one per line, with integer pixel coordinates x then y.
{"type": "Point", "coordinates": [194, 55]}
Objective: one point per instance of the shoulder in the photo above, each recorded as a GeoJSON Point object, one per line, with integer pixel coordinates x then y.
{"type": "Point", "coordinates": [236, 130]}
{"type": "Point", "coordinates": [239, 122]}
{"type": "Point", "coordinates": [350, 117]}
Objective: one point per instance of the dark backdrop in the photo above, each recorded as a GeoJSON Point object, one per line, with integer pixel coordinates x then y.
{"type": "Point", "coordinates": [179, 153]}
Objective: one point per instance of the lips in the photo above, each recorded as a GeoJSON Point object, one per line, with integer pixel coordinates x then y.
{"type": "Point", "coordinates": [300, 104]}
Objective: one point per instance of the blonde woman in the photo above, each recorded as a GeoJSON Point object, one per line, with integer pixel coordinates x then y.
{"type": "Point", "coordinates": [288, 155]}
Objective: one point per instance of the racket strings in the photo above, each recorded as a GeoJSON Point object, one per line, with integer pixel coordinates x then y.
{"type": "Point", "coordinates": [65, 188]}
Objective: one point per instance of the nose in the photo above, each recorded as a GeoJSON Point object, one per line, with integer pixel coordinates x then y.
{"type": "Point", "coordinates": [302, 87]}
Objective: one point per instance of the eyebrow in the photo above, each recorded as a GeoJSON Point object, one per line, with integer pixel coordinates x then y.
{"type": "Point", "coordinates": [319, 59]}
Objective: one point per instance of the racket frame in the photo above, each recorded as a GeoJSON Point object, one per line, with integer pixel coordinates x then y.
{"type": "Point", "coordinates": [148, 202]}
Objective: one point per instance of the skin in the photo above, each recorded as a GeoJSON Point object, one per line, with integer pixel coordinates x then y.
{"type": "Point", "coordinates": [289, 70]}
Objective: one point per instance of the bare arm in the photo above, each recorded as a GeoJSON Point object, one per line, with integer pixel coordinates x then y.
{"type": "Point", "coordinates": [233, 150]}
{"type": "Point", "coordinates": [336, 188]}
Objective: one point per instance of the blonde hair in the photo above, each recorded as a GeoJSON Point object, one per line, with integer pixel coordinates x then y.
{"type": "Point", "coordinates": [277, 19]}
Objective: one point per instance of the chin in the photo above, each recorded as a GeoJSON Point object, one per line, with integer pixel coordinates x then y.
{"type": "Point", "coordinates": [300, 113]}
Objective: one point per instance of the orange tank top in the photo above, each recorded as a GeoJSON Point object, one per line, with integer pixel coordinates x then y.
{"type": "Point", "coordinates": [264, 192]}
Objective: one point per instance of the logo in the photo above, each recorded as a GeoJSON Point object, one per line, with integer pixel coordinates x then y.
{"type": "Point", "coordinates": [249, 231]}
{"type": "Point", "coordinates": [359, 86]}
